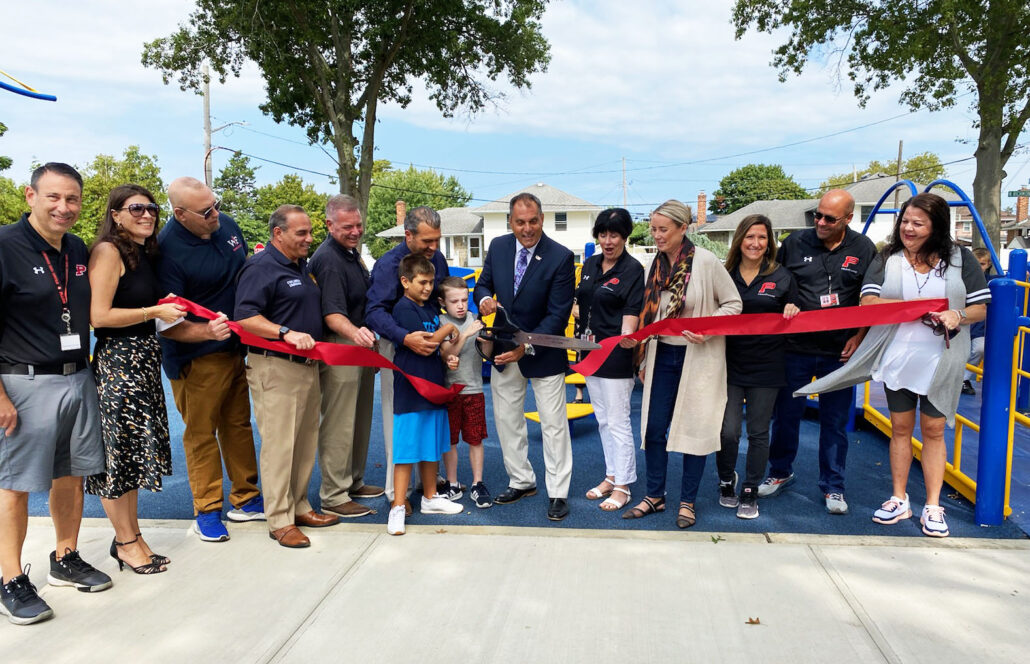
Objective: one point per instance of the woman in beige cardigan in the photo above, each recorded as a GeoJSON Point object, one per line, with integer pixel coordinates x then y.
{"type": "Point", "coordinates": [685, 281]}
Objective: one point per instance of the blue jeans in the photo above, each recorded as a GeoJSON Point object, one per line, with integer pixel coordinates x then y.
{"type": "Point", "coordinates": [834, 408]}
{"type": "Point", "coordinates": [665, 382]}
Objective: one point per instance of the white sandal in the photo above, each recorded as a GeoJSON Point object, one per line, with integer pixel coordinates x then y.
{"type": "Point", "coordinates": [610, 500]}
{"type": "Point", "coordinates": [594, 494]}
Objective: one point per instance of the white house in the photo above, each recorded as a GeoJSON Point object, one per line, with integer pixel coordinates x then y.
{"type": "Point", "coordinates": [461, 236]}
{"type": "Point", "coordinates": [568, 220]}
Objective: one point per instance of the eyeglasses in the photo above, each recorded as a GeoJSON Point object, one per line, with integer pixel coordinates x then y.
{"type": "Point", "coordinates": [819, 216]}
{"type": "Point", "coordinates": [939, 328]}
{"type": "Point", "coordinates": [215, 207]}
{"type": "Point", "coordinates": [137, 209]}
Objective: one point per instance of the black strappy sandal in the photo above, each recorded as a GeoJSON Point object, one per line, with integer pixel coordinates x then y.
{"type": "Point", "coordinates": [653, 506]}
{"type": "Point", "coordinates": [150, 568]}
{"type": "Point", "coordinates": [686, 520]}
{"type": "Point", "coordinates": [156, 557]}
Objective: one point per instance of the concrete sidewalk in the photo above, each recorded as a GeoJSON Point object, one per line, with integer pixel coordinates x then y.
{"type": "Point", "coordinates": [487, 594]}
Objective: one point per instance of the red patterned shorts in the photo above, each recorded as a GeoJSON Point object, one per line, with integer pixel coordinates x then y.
{"type": "Point", "coordinates": [467, 415]}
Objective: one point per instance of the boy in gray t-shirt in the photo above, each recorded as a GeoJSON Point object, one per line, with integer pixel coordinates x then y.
{"type": "Point", "coordinates": [467, 412]}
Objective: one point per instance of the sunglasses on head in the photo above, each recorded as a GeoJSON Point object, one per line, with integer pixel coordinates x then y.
{"type": "Point", "coordinates": [939, 328]}
{"type": "Point", "coordinates": [819, 216]}
{"type": "Point", "coordinates": [137, 209]}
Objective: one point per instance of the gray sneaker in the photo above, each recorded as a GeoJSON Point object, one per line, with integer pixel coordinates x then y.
{"type": "Point", "coordinates": [772, 485]}
{"type": "Point", "coordinates": [74, 572]}
{"type": "Point", "coordinates": [748, 507]}
{"type": "Point", "coordinates": [728, 492]}
{"type": "Point", "coordinates": [20, 602]}
{"type": "Point", "coordinates": [835, 503]}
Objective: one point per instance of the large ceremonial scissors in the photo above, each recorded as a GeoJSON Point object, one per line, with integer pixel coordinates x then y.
{"type": "Point", "coordinates": [504, 336]}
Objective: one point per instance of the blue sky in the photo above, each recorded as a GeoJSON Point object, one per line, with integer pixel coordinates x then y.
{"type": "Point", "coordinates": [658, 84]}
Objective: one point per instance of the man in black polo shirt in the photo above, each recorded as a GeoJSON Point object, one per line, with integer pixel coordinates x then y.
{"type": "Point", "coordinates": [828, 263]}
{"type": "Point", "coordinates": [202, 251]}
{"type": "Point", "coordinates": [277, 298]}
{"type": "Point", "coordinates": [347, 392]}
{"type": "Point", "coordinates": [49, 416]}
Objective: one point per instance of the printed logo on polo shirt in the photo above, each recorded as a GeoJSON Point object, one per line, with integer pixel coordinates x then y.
{"type": "Point", "coordinates": [614, 281]}
{"type": "Point", "coordinates": [80, 270]}
{"type": "Point", "coordinates": [293, 283]}
{"type": "Point", "coordinates": [767, 286]}
{"type": "Point", "coordinates": [38, 270]}
{"type": "Point", "coordinates": [848, 262]}
{"type": "Point", "coordinates": [808, 259]}
{"type": "Point", "coordinates": [234, 242]}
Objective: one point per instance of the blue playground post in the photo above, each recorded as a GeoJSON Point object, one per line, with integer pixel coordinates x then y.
{"type": "Point", "coordinates": [1003, 315]}
{"type": "Point", "coordinates": [1017, 272]}
{"type": "Point", "coordinates": [588, 250]}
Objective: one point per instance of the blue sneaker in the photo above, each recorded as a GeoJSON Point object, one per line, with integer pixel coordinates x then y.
{"type": "Point", "coordinates": [210, 527]}
{"type": "Point", "coordinates": [252, 510]}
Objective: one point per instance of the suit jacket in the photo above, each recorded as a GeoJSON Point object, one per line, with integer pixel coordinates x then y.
{"type": "Point", "coordinates": [544, 300]}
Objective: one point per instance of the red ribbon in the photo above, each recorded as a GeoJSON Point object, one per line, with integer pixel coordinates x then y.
{"type": "Point", "coordinates": [334, 354]}
{"type": "Point", "coordinates": [822, 320]}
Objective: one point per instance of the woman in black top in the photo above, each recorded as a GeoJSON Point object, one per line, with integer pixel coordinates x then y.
{"type": "Point", "coordinates": [754, 364]}
{"type": "Point", "coordinates": [609, 299]}
{"type": "Point", "coordinates": [127, 364]}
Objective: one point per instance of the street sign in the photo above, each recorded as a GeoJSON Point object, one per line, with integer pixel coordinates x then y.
{"type": "Point", "coordinates": [1020, 193]}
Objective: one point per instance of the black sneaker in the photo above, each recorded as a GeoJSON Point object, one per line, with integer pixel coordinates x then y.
{"type": "Point", "coordinates": [728, 492]}
{"type": "Point", "coordinates": [20, 602]}
{"type": "Point", "coordinates": [453, 492]}
{"type": "Point", "coordinates": [72, 570]}
{"type": "Point", "coordinates": [480, 496]}
{"type": "Point", "coordinates": [748, 507]}
{"type": "Point", "coordinates": [967, 387]}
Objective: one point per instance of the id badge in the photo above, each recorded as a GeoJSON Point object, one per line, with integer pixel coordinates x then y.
{"type": "Point", "coordinates": [830, 300]}
{"type": "Point", "coordinates": [70, 342]}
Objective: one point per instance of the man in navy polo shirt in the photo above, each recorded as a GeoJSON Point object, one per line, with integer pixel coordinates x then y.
{"type": "Point", "coordinates": [421, 235]}
{"type": "Point", "coordinates": [277, 298]}
{"type": "Point", "coordinates": [49, 416]}
{"type": "Point", "coordinates": [202, 251]}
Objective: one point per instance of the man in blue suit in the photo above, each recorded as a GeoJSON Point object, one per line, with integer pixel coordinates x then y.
{"type": "Point", "coordinates": [532, 277]}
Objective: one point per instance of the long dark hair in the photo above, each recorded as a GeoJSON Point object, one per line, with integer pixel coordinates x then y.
{"type": "Point", "coordinates": [111, 232]}
{"type": "Point", "coordinates": [939, 243]}
{"type": "Point", "coordinates": [733, 256]}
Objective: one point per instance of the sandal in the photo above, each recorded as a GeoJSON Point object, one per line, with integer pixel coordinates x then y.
{"type": "Point", "coordinates": [157, 557]}
{"type": "Point", "coordinates": [688, 519]}
{"type": "Point", "coordinates": [653, 506]}
{"type": "Point", "coordinates": [598, 492]}
{"type": "Point", "coordinates": [613, 504]}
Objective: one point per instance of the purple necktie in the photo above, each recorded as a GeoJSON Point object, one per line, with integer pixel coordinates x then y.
{"type": "Point", "coordinates": [520, 267]}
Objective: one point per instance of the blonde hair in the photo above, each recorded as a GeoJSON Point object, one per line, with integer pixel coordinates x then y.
{"type": "Point", "coordinates": [680, 213]}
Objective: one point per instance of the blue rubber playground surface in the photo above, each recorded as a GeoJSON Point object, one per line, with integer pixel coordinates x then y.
{"type": "Point", "coordinates": [798, 510]}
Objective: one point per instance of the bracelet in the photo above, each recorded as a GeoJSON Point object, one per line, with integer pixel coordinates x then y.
{"type": "Point", "coordinates": [146, 316]}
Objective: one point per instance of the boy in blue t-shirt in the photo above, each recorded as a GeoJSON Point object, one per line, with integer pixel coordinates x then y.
{"type": "Point", "coordinates": [421, 433]}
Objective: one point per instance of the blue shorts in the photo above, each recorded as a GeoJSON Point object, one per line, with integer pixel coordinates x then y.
{"type": "Point", "coordinates": [423, 435]}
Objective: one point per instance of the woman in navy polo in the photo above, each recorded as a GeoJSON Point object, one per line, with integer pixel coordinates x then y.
{"type": "Point", "coordinates": [609, 299]}
{"type": "Point", "coordinates": [754, 364]}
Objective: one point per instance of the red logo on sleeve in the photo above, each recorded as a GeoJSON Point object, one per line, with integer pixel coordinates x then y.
{"type": "Point", "coordinates": [769, 285]}
{"type": "Point", "coordinates": [80, 270]}
{"type": "Point", "coordinates": [849, 261]}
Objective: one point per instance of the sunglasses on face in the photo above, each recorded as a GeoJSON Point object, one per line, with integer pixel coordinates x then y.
{"type": "Point", "coordinates": [819, 216]}
{"type": "Point", "coordinates": [215, 208]}
{"type": "Point", "coordinates": [137, 209]}
{"type": "Point", "coordinates": [939, 329]}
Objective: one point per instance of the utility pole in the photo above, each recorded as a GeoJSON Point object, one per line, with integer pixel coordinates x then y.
{"type": "Point", "coordinates": [207, 127]}
{"type": "Point", "coordinates": [623, 182]}
{"type": "Point", "coordinates": [897, 178]}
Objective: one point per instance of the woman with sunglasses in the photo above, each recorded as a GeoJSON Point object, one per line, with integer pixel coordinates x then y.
{"type": "Point", "coordinates": [684, 374]}
{"type": "Point", "coordinates": [920, 363]}
{"type": "Point", "coordinates": [127, 364]}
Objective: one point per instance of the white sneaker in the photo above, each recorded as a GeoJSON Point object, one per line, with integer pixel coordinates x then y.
{"type": "Point", "coordinates": [835, 503]}
{"type": "Point", "coordinates": [395, 525]}
{"type": "Point", "coordinates": [773, 485]}
{"type": "Point", "coordinates": [892, 511]}
{"type": "Point", "coordinates": [440, 505]}
{"type": "Point", "coordinates": [933, 521]}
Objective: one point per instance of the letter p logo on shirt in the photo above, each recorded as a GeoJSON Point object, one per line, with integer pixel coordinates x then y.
{"type": "Point", "coordinates": [848, 262]}
{"type": "Point", "coordinates": [768, 285]}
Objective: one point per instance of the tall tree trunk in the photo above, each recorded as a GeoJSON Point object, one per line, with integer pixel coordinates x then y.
{"type": "Point", "coordinates": [989, 174]}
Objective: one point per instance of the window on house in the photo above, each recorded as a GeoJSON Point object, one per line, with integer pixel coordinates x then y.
{"type": "Point", "coordinates": [474, 247]}
{"type": "Point", "coordinates": [446, 248]}
{"type": "Point", "coordinates": [561, 221]}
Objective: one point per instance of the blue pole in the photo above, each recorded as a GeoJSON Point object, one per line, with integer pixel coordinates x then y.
{"type": "Point", "coordinates": [588, 250]}
{"type": "Point", "coordinates": [994, 410]}
{"type": "Point", "coordinates": [1017, 272]}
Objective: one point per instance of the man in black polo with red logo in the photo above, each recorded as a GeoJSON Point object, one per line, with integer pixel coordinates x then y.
{"type": "Point", "coordinates": [49, 415]}
{"type": "Point", "coordinates": [828, 263]}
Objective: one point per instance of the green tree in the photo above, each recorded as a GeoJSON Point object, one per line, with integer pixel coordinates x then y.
{"type": "Point", "coordinates": [5, 162]}
{"type": "Point", "coordinates": [415, 187]}
{"type": "Point", "coordinates": [328, 64]}
{"type": "Point", "coordinates": [291, 190]}
{"type": "Point", "coordinates": [945, 49]}
{"type": "Point", "coordinates": [105, 173]}
{"type": "Point", "coordinates": [236, 187]}
{"type": "Point", "coordinates": [641, 234]}
{"type": "Point", "coordinates": [754, 182]}
{"type": "Point", "coordinates": [923, 168]}
{"type": "Point", "coordinates": [12, 201]}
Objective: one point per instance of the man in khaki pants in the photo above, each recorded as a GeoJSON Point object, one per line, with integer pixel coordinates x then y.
{"type": "Point", "coordinates": [347, 392]}
{"type": "Point", "coordinates": [277, 298]}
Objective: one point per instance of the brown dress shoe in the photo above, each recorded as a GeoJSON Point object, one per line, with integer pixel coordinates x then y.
{"type": "Point", "coordinates": [367, 491]}
{"type": "Point", "coordinates": [315, 520]}
{"type": "Point", "coordinates": [349, 510]}
{"type": "Point", "coordinates": [290, 537]}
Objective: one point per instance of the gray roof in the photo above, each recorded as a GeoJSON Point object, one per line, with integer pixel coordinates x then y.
{"type": "Point", "coordinates": [553, 200]}
{"type": "Point", "coordinates": [785, 215]}
{"type": "Point", "coordinates": [869, 189]}
{"type": "Point", "coordinates": [453, 222]}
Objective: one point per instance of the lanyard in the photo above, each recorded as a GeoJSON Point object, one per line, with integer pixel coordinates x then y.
{"type": "Point", "coordinates": [62, 291]}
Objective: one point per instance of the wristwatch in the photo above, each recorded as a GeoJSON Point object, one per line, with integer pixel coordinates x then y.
{"type": "Point", "coordinates": [283, 331]}
{"type": "Point", "coordinates": [961, 314]}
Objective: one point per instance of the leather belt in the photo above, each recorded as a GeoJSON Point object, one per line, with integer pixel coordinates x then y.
{"type": "Point", "coordinates": [65, 369]}
{"type": "Point", "coordinates": [297, 359]}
